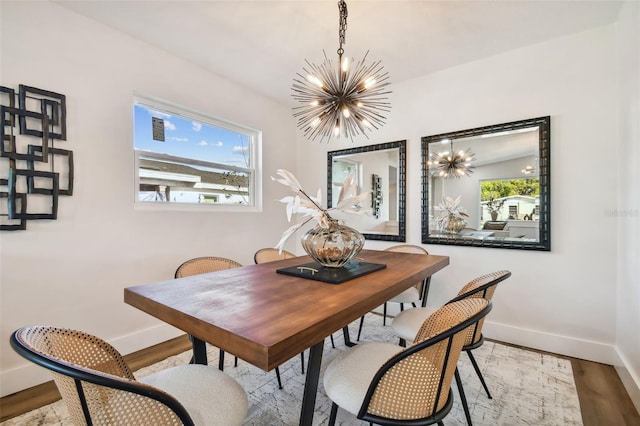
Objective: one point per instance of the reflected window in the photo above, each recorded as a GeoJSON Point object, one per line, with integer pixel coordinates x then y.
{"type": "Point", "coordinates": [509, 199]}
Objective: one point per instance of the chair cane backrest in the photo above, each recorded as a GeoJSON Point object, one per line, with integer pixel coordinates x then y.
{"type": "Point", "coordinates": [271, 254]}
{"type": "Point", "coordinates": [481, 287]}
{"type": "Point", "coordinates": [415, 383]}
{"type": "Point", "coordinates": [410, 248]}
{"type": "Point", "coordinates": [203, 265]}
{"type": "Point", "coordinates": [95, 383]}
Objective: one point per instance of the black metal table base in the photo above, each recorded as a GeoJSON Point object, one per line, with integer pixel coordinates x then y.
{"type": "Point", "coordinates": [347, 339]}
{"type": "Point", "coordinates": [199, 351]}
{"type": "Point", "coordinates": [312, 379]}
{"type": "Point", "coordinates": [311, 384]}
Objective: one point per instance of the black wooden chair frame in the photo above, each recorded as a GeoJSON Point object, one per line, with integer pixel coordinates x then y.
{"type": "Point", "coordinates": [80, 374]}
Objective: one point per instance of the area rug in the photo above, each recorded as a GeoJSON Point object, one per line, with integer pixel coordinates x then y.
{"type": "Point", "coordinates": [528, 388]}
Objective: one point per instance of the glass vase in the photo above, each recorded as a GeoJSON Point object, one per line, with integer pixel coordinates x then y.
{"type": "Point", "coordinates": [334, 246]}
{"type": "Point", "coordinates": [455, 224]}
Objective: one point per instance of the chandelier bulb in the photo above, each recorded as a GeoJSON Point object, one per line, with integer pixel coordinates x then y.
{"type": "Point", "coordinates": [346, 113]}
{"type": "Point", "coordinates": [369, 82]}
{"type": "Point", "coordinates": [315, 80]}
{"type": "Point", "coordinates": [345, 64]}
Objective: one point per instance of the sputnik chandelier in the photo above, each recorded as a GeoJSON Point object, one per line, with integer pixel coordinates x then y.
{"type": "Point", "coordinates": [343, 100]}
{"type": "Point", "coordinates": [451, 164]}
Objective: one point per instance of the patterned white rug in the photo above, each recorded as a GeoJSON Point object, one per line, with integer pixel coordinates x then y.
{"type": "Point", "coordinates": [528, 388]}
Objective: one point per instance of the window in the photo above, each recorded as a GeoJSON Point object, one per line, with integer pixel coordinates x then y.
{"type": "Point", "coordinates": [185, 158]}
{"type": "Point", "coordinates": [510, 199]}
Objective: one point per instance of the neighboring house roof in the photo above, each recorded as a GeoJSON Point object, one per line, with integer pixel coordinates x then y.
{"type": "Point", "coordinates": [185, 177]}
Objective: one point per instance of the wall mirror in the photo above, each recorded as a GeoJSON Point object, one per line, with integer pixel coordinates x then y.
{"type": "Point", "coordinates": [488, 186]}
{"type": "Point", "coordinates": [381, 170]}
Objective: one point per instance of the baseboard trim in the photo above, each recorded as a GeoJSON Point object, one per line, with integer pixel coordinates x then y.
{"type": "Point", "coordinates": [554, 343]}
{"type": "Point", "coordinates": [629, 379]}
{"type": "Point", "coordinates": [29, 375]}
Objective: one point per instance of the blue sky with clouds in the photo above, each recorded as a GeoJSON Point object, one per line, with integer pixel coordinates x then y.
{"type": "Point", "coordinates": [189, 138]}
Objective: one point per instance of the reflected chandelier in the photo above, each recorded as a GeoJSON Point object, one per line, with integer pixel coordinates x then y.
{"type": "Point", "coordinates": [451, 164]}
{"type": "Point", "coordinates": [345, 100]}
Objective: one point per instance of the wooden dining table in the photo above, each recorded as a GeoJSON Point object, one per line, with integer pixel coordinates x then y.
{"type": "Point", "coordinates": [266, 318]}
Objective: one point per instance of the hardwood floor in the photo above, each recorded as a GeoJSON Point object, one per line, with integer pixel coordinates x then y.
{"type": "Point", "coordinates": [603, 399]}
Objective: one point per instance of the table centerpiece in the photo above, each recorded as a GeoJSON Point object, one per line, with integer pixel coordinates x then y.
{"type": "Point", "coordinates": [329, 243]}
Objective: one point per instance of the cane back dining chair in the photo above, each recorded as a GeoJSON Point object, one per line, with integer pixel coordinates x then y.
{"type": "Point", "coordinates": [270, 254]}
{"type": "Point", "coordinates": [415, 294]}
{"type": "Point", "coordinates": [388, 384]}
{"type": "Point", "coordinates": [407, 324]}
{"type": "Point", "coordinates": [98, 387]}
{"type": "Point", "coordinates": [204, 265]}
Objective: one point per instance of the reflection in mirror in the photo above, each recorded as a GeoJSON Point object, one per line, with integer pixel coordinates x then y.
{"type": "Point", "coordinates": [380, 170]}
{"type": "Point", "coordinates": [488, 186]}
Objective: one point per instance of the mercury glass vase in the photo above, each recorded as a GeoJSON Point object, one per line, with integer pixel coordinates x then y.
{"type": "Point", "coordinates": [455, 224]}
{"type": "Point", "coordinates": [333, 246]}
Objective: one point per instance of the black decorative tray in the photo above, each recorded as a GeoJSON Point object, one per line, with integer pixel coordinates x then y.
{"type": "Point", "coordinates": [315, 271]}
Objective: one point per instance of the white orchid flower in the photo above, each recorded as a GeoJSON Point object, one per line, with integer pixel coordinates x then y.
{"type": "Point", "coordinates": [288, 179]}
{"type": "Point", "coordinates": [310, 207]}
{"type": "Point", "coordinates": [350, 204]}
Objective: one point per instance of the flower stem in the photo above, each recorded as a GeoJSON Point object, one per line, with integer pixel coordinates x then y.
{"type": "Point", "coordinates": [314, 203]}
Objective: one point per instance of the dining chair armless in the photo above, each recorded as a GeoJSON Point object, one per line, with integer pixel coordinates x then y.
{"type": "Point", "coordinates": [388, 384]}
{"type": "Point", "coordinates": [204, 265]}
{"type": "Point", "coordinates": [415, 294]}
{"type": "Point", "coordinates": [407, 324]}
{"type": "Point", "coordinates": [98, 388]}
{"type": "Point", "coordinates": [270, 254]}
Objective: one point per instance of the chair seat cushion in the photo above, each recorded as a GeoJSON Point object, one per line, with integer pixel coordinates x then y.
{"type": "Point", "coordinates": [348, 376]}
{"type": "Point", "coordinates": [407, 323]}
{"type": "Point", "coordinates": [410, 295]}
{"type": "Point", "coordinates": [210, 396]}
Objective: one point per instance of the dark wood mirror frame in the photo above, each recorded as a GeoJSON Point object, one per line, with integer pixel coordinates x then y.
{"type": "Point", "coordinates": [401, 185]}
{"type": "Point", "coordinates": [543, 242]}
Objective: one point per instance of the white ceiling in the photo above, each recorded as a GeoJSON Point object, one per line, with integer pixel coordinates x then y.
{"type": "Point", "coordinates": [262, 44]}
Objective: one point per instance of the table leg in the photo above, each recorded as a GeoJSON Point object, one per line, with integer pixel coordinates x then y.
{"type": "Point", "coordinates": [425, 290]}
{"type": "Point", "coordinates": [311, 384]}
{"type": "Point", "coordinates": [199, 351]}
{"type": "Point", "coordinates": [347, 339]}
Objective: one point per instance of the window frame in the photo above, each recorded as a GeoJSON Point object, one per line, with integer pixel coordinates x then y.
{"type": "Point", "coordinates": [254, 153]}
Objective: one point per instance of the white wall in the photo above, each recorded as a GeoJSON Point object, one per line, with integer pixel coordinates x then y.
{"type": "Point", "coordinates": [562, 301]}
{"type": "Point", "coordinates": [628, 207]}
{"type": "Point", "coordinates": [580, 299]}
{"type": "Point", "coordinates": [71, 272]}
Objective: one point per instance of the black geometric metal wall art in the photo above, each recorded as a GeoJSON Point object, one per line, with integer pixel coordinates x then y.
{"type": "Point", "coordinates": [32, 175]}
{"type": "Point", "coordinates": [53, 105]}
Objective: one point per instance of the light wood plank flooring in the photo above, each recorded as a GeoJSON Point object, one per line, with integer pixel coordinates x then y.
{"type": "Point", "coordinates": [603, 399]}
